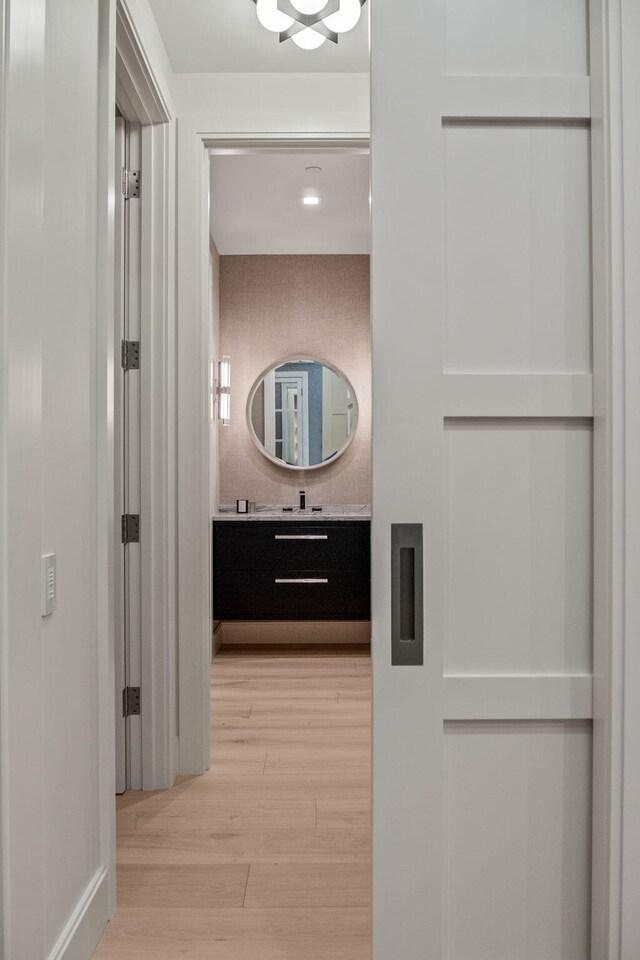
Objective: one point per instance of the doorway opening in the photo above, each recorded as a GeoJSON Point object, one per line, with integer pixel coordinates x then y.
{"type": "Point", "coordinates": [291, 668]}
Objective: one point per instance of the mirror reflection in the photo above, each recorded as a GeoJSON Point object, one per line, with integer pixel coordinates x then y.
{"type": "Point", "coordinates": [302, 414]}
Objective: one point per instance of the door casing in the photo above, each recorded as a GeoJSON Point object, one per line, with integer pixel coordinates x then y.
{"type": "Point", "coordinates": [143, 102]}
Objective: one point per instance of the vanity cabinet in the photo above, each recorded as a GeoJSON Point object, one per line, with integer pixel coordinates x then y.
{"type": "Point", "coordinates": [291, 570]}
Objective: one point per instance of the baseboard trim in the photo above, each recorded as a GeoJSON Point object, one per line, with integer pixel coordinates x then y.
{"type": "Point", "coordinates": [86, 924]}
{"type": "Point", "coordinates": [295, 631]}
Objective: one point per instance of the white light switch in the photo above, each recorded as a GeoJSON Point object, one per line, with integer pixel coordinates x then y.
{"type": "Point", "coordinates": [49, 584]}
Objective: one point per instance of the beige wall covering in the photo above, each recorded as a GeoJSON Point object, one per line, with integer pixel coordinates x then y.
{"type": "Point", "coordinates": [281, 306]}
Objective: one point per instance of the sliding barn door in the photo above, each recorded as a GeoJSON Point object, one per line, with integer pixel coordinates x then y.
{"type": "Point", "coordinates": [483, 459]}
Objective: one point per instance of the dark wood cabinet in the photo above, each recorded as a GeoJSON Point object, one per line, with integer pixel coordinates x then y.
{"type": "Point", "coordinates": [291, 570]}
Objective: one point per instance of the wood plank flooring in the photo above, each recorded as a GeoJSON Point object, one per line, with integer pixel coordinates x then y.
{"type": "Point", "coordinates": [267, 856]}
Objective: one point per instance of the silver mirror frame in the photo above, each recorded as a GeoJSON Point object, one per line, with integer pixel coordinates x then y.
{"type": "Point", "coordinates": [297, 358]}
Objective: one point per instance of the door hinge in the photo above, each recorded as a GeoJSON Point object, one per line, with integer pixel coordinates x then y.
{"type": "Point", "coordinates": [130, 355]}
{"type": "Point", "coordinates": [131, 702]}
{"type": "Point", "coordinates": [131, 528]}
{"type": "Point", "coordinates": [130, 184]}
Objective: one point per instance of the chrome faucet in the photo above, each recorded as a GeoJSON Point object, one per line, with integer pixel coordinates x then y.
{"type": "Point", "coordinates": [303, 500]}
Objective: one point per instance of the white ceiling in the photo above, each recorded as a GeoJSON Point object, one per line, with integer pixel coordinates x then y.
{"type": "Point", "coordinates": [256, 203]}
{"type": "Point", "coordinates": [225, 36]}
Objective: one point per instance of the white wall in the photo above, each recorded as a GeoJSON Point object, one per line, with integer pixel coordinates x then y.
{"type": "Point", "coordinates": [54, 752]}
{"type": "Point", "coordinates": [275, 103]}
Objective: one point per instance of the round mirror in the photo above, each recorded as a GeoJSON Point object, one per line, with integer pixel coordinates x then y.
{"type": "Point", "coordinates": [302, 413]}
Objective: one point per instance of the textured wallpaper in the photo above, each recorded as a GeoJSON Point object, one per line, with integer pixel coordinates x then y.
{"type": "Point", "coordinates": [272, 307]}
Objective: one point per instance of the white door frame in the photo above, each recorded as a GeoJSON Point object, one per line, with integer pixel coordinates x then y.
{"type": "Point", "coordinates": [120, 260]}
{"type": "Point", "coordinates": [615, 41]}
{"type": "Point", "coordinates": [617, 472]}
{"type": "Point", "coordinates": [195, 139]}
{"type": "Point", "coordinates": [3, 592]}
{"type": "Point", "coordinates": [141, 100]}
{"type": "Point", "coordinates": [630, 895]}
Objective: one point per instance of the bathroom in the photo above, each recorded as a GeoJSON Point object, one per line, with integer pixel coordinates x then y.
{"type": "Point", "coordinates": [290, 442]}
{"type": "Point", "coordinates": [289, 258]}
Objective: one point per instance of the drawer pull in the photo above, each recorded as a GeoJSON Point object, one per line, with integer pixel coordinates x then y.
{"type": "Point", "coordinates": [301, 536]}
{"type": "Point", "coordinates": [303, 580]}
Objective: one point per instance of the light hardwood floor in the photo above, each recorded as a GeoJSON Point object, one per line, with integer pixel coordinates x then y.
{"type": "Point", "coordinates": [267, 856]}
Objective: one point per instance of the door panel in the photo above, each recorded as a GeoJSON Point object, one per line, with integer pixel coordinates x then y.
{"type": "Point", "coordinates": [481, 296]}
{"type": "Point", "coordinates": [518, 247]}
{"type": "Point", "coordinates": [518, 546]}
{"type": "Point", "coordinates": [517, 37]}
{"type": "Point", "coordinates": [517, 871]}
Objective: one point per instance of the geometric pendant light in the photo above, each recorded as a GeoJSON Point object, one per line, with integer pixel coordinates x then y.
{"type": "Point", "coordinates": [309, 22]}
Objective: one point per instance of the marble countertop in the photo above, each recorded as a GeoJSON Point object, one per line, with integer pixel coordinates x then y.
{"type": "Point", "coordinates": [330, 511]}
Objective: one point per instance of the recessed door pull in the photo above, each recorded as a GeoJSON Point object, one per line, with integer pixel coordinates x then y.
{"type": "Point", "coordinates": [301, 536]}
{"type": "Point", "coordinates": [407, 614]}
{"type": "Point", "coordinates": [302, 580]}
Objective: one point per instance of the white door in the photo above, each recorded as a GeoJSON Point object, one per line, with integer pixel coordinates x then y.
{"type": "Point", "coordinates": [127, 459]}
{"type": "Point", "coordinates": [481, 297]}
{"type": "Point", "coordinates": [291, 412]}
{"type": "Point", "coordinates": [119, 576]}
{"type": "Point", "coordinates": [337, 410]}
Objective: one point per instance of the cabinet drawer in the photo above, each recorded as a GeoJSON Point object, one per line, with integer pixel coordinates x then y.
{"type": "Point", "coordinates": [266, 545]}
{"type": "Point", "coordinates": [285, 595]}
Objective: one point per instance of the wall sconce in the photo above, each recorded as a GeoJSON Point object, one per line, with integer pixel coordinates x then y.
{"type": "Point", "coordinates": [224, 390]}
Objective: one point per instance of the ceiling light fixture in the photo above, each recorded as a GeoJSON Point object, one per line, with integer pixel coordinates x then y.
{"type": "Point", "coordinates": [309, 22]}
{"type": "Point", "coordinates": [311, 201]}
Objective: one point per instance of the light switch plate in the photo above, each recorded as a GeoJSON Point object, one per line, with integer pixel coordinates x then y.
{"type": "Point", "coordinates": [49, 584]}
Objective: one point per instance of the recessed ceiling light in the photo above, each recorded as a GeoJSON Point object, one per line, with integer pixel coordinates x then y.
{"type": "Point", "coordinates": [311, 201]}
{"type": "Point", "coordinates": [313, 169]}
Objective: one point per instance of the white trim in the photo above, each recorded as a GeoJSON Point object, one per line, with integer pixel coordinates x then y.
{"type": "Point", "coordinates": [84, 927]}
{"type": "Point", "coordinates": [505, 697]}
{"type": "Point", "coordinates": [120, 667]}
{"type": "Point", "coordinates": [128, 440]}
{"type": "Point", "coordinates": [195, 139]}
{"type": "Point", "coordinates": [609, 520]}
{"type": "Point", "coordinates": [530, 98]}
{"type": "Point", "coordinates": [158, 461]}
{"type": "Point", "coordinates": [138, 90]}
{"type": "Point", "coordinates": [4, 742]}
{"type": "Point", "coordinates": [194, 562]}
{"type": "Point", "coordinates": [158, 503]}
{"type": "Point", "coordinates": [630, 922]}
{"type": "Point", "coordinates": [104, 426]}
{"type": "Point", "coordinates": [521, 394]}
